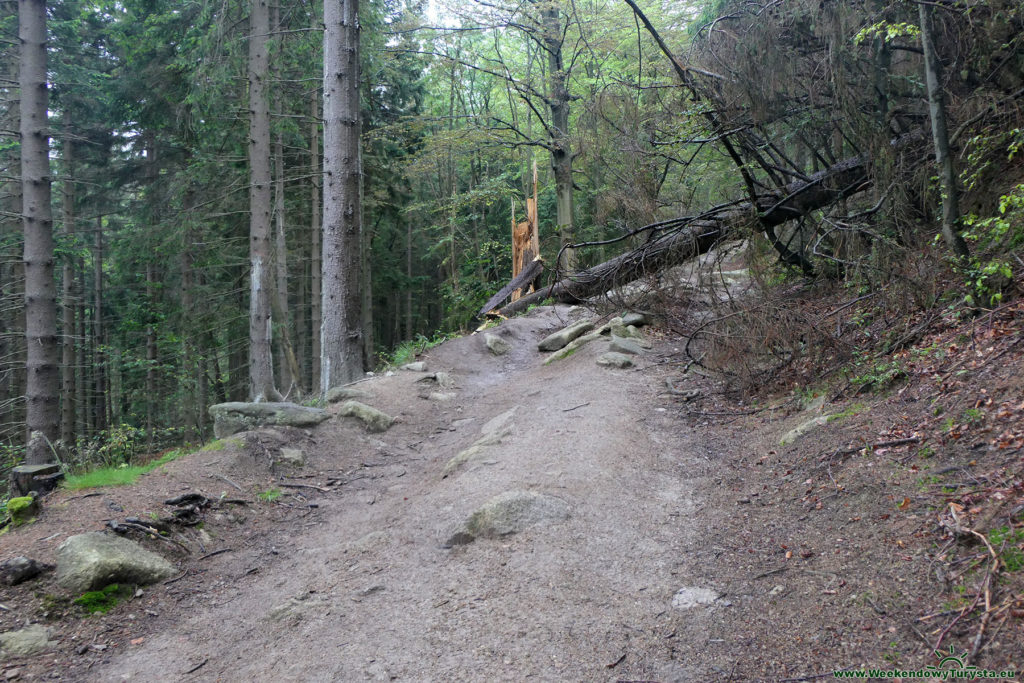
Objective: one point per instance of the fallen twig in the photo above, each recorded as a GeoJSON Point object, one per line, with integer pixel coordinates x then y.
{"type": "Point", "coordinates": [569, 410]}
{"type": "Point", "coordinates": [225, 479]}
{"type": "Point", "coordinates": [303, 486]}
{"type": "Point", "coordinates": [216, 552]}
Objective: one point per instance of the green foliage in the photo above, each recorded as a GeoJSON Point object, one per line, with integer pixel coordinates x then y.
{"type": "Point", "coordinates": [103, 600]}
{"type": "Point", "coordinates": [887, 31]}
{"type": "Point", "coordinates": [407, 351]}
{"type": "Point", "coordinates": [1009, 543]}
{"type": "Point", "coordinates": [270, 495]}
{"type": "Point", "coordinates": [875, 373]}
{"type": "Point", "coordinates": [119, 475]}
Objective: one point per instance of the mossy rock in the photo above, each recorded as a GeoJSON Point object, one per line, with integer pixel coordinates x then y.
{"type": "Point", "coordinates": [22, 510]}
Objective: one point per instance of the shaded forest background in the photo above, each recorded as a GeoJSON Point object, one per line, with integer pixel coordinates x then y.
{"type": "Point", "coordinates": [714, 104]}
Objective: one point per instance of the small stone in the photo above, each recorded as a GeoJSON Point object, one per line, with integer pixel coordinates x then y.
{"type": "Point", "coordinates": [26, 642]}
{"type": "Point", "coordinates": [441, 396]}
{"type": "Point", "coordinates": [613, 359]}
{"type": "Point", "coordinates": [776, 590]}
{"type": "Point", "coordinates": [292, 456]}
{"type": "Point", "coordinates": [375, 420]}
{"type": "Point", "coordinates": [510, 513]}
{"type": "Point", "coordinates": [497, 345]}
{"type": "Point", "coordinates": [689, 597]}
{"type": "Point", "coordinates": [19, 569]}
{"type": "Point", "coordinates": [622, 345]}
{"type": "Point", "coordinates": [418, 366]}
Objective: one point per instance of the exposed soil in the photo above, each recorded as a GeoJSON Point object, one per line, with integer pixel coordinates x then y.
{"type": "Point", "coordinates": [809, 558]}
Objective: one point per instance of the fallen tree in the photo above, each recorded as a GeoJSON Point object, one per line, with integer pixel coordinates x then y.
{"type": "Point", "coordinates": [677, 240]}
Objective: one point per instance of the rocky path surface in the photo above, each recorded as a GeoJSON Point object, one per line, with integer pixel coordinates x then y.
{"type": "Point", "coordinates": [382, 581]}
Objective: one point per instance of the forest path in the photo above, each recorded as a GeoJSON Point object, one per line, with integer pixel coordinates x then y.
{"type": "Point", "coordinates": [365, 589]}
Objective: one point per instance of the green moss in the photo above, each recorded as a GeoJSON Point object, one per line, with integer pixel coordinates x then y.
{"type": "Point", "coordinates": [855, 409]}
{"type": "Point", "coordinates": [103, 600]}
{"type": "Point", "coordinates": [22, 510]}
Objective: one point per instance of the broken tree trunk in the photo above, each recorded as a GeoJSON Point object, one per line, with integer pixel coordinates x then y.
{"type": "Point", "coordinates": [526, 278]}
{"type": "Point", "coordinates": [693, 236]}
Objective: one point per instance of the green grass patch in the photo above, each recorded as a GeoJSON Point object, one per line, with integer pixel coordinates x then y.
{"type": "Point", "coordinates": [407, 351]}
{"type": "Point", "coordinates": [855, 409]}
{"type": "Point", "coordinates": [270, 495]}
{"type": "Point", "coordinates": [119, 475]}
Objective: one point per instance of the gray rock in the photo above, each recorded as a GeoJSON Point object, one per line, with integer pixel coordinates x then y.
{"type": "Point", "coordinates": [510, 513]}
{"type": "Point", "coordinates": [497, 345]}
{"type": "Point", "coordinates": [375, 420]}
{"type": "Point", "coordinates": [91, 561]}
{"type": "Point", "coordinates": [418, 366]}
{"type": "Point", "coordinates": [805, 428]}
{"type": "Point", "coordinates": [689, 597]}
{"type": "Point", "coordinates": [441, 396]}
{"type": "Point", "coordinates": [624, 345]}
{"type": "Point", "coordinates": [27, 641]}
{"type": "Point", "coordinates": [637, 319]}
{"type": "Point", "coordinates": [574, 346]}
{"type": "Point", "coordinates": [292, 456]}
{"type": "Point", "coordinates": [19, 569]}
{"type": "Point", "coordinates": [613, 359]}
{"type": "Point", "coordinates": [338, 394]}
{"type": "Point", "coordinates": [493, 431]}
{"type": "Point", "coordinates": [231, 418]}
{"type": "Point", "coordinates": [558, 340]}
{"type": "Point", "coordinates": [442, 379]}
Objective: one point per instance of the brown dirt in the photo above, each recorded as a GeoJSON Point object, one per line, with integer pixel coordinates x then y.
{"type": "Point", "coordinates": [822, 560]}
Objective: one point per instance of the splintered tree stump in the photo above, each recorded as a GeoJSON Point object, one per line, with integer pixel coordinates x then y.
{"type": "Point", "coordinates": [38, 478]}
{"type": "Point", "coordinates": [526, 278]}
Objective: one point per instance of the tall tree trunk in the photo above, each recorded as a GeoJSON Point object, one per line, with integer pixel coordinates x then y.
{"type": "Point", "coordinates": [151, 344]}
{"type": "Point", "coordinates": [286, 352]}
{"type": "Point", "coordinates": [99, 363]}
{"type": "Point", "coordinates": [561, 146]}
{"type": "Point", "coordinates": [340, 334]}
{"type": "Point", "coordinates": [261, 364]}
{"type": "Point", "coordinates": [408, 276]}
{"type": "Point", "coordinates": [68, 286]}
{"type": "Point", "coordinates": [940, 137]}
{"type": "Point", "coordinates": [42, 416]}
{"type": "Point", "coordinates": [317, 239]}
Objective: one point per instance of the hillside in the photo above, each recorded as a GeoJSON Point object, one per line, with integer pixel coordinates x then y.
{"type": "Point", "coordinates": [676, 537]}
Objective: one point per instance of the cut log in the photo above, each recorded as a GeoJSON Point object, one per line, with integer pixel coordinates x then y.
{"type": "Point", "coordinates": [527, 276]}
{"type": "Point", "coordinates": [690, 238]}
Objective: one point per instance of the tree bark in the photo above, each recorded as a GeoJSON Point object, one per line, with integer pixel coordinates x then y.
{"type": "Point", "coordinates": [287, 363]}
{"type": "Point", "coordinates": [42, 416]}
{"type": "Point", "coordinates": [940, 138]}
{"type": "Point", "coordinates": [561, 145]}
{"type": "Point", "coordinates": [340, 331]}
{"type": "Point", "coordinates": [261, 365]}
{"type": "Point", "coordinates": [99, 362]}
{"type": "Point", "coordinates": [692, 237]}
{"type": "Point", "coordinates": [67, 381]}
{"type": "Point", "coordinates": [316, 241]}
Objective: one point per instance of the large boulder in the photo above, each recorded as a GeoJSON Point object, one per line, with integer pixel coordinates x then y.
{"type": "Point", "coordinates": [91, 561]}
{"type": "Point", "coordinates": [231, 418]}
{"type": "Point", "coordinates": [510, 513]}
{"type": "Point", "coordinates": [557, 340]}
{"type": "Point", "coordinates": [497, 344]}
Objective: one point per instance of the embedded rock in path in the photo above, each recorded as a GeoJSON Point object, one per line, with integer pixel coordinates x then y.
{"type": "Point", "coordinates": [558, 340]}
{"type": "Point", "coordinates": [442, 379]}
{"type": "Point", "coordinates": [690, 597]}
{"type": "Point", "coordinates": [418, 366]}
{"type": "Point", "coordinates": [496, 344]}
{"type": "Point", "coordinates": [26, 642]}
{"type": "Point", "coordinates": [492, 433]}
{"type": "Point", "coordinates": [803, 429]}
{"type": "Point", "coordinates": [624, 345]}
{"type": "Point", "coordinates": [338, 394]}
{"type": "Point", "coordinates": [231, 418]}
{"type": "Point", "coordinates": [91, 561]}
{"type": "Point", "coordinates": [292, 456]}
{"type": "Point", "coordinates": [614, 359]}
{"type": "Point", "coordinates": [510, 513]}
{"type": "Point", "coordinates": [375, 420]}
{"type": "Point", "coordinates": [575, 345]}
{"type": "Point", "coordinates": [19, 569]}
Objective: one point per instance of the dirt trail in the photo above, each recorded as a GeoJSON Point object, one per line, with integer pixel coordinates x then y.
{"type": "Point", "coordinates": [364, 589]}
